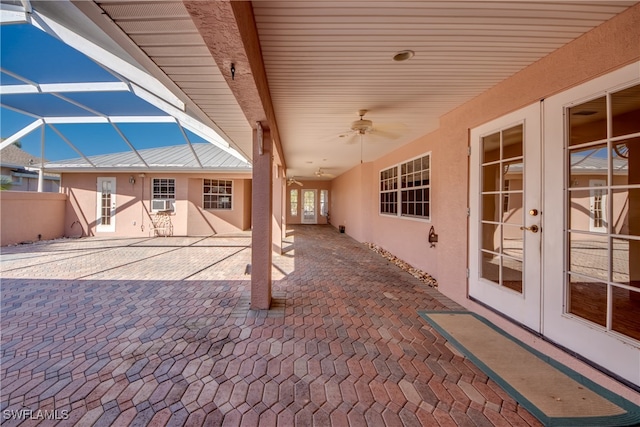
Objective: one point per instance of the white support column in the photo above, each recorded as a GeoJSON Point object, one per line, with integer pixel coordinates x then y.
{"type": "Point", "coordinates": [41, 170]}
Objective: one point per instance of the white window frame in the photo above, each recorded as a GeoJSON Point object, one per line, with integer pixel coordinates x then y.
{"type": "Point", "coordinates": [398, 189]}
{"type": "Point", "coordinates": [324, 202]}
{"type": "Point", "coordinates": [158, 196]}
{"type": "Point", "coordinates": [389, 187]}
{"type": "Point", "coordinates": [211, 185]}
{"type": "Point", "coordinates": [292, 211]}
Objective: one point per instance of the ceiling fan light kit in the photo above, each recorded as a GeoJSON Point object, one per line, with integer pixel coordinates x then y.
{"type": "Point", "coordinates": [362, 126]}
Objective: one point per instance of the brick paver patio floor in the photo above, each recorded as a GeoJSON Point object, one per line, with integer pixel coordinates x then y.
{"type": "Point", "coordinates": [158, 332]}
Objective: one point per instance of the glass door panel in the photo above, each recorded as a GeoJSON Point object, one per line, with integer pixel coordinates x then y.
{"type": "Point", "coordinates": [505, 234]}
{"type": "Point", "coordinates": [604, 211]}
{"type": "Point", "coordinates": [309, 214]}
{"type": "Point", "coordinates": [501, 209]}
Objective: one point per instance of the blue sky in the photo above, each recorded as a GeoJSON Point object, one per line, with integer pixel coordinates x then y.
{"type": "Point", "coordinates": [33, 54]}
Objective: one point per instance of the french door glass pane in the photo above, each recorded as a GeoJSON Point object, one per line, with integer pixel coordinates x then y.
{"type": "Point", "coordinates": [588, 122]}
{"type": "Point", "coordinates": [586, 163]}
{"type": "Point", "coordinates": [625, 301]}
{"type": "Point", "coordinates": [588, 299]}
{"type": "Point", "coordinates": [604, 211]}
{"type": "Point", "coordinates": [588, 255]}
{"type": "Point", "coordinates": [502, 213]}
{"type": "Point", "coordinates": [625, 109]}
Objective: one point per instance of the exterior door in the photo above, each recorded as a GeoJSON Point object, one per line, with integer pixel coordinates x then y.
{"type": "Point", "coordinates": [592, 241]}
{"type": "Point", "coordinates": [505, 216]}
{"type": "Point", "coordinates": [597, 205]}
{"type": "Point", "coordinates": [106, 209]}
{"type": "Point", "coordinates": [309, 212]}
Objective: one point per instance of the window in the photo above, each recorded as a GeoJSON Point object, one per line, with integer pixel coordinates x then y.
{"type": "Point", "coordinates": [505, 196]}
{"type": "Point", "coordinates": [294, 202]}
{"type": "Point", "coordinates": [405, 189]}
{"type": "Point", "coordinates": [414, 184]}
{"type": "Point", "coordinates": [217, 193]}
{"type": "Point", "coordinates": [324, 202]}
{"type": "Point", "coordinates": [163, 194]}
{"type": "Point", "coordinates": [389, 191]}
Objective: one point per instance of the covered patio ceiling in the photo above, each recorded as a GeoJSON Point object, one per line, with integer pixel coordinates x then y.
{"type": "Point", "coordinates": [306, 69]}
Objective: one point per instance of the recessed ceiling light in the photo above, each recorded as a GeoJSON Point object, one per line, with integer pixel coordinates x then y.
{"type": "Point", "coordinates": [403, 55]}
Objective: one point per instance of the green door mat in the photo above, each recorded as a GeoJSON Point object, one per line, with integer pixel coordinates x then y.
{"type": "Point", "coordinates": [552, 392]}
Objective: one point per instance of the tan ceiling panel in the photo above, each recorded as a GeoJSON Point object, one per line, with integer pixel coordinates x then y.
{"type": "Point", "coordinates": [327, 60]}
{"type": "Point", "coordinates": [167, 35]}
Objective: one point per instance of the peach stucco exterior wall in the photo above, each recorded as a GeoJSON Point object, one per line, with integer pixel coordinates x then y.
{"type": "Point", "coordinates": [25, 214]}
{"type": "Point", "coordinates": [133, 212]}
{"type": "Point", "coordinates": [604, 49]}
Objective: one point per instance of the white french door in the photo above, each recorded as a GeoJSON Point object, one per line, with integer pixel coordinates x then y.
{"type": "Point", "coordinates": [555, 219]}
{"type": "Point", "coordinates": [592, 241]}
{"type": "Point", "coordinates": [505, 216]}
{"type": "Point", "coordinates": [106, 205]}
{"type": "Point", "coordinates": [309, 211]}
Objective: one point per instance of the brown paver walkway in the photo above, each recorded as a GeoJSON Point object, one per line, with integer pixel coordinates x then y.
{"type": "Point", "coordinates": [158, 332]}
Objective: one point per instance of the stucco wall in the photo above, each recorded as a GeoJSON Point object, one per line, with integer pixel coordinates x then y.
{"type": "Point", "coordinates": [607, 47]}
{"type": "Point", "coordinates": [30, 216]}
{"type": "Point", "coordinates": [133, 212]}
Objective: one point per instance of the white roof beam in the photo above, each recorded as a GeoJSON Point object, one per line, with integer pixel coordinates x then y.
{"type": "Point", "coordinates": [106, 58]}
{"type": "Point", "coordinates": [193, 125]}
{"type": "Point", "coordinates": [62, 87]}
{"type": "Point", "coordinates": [142, 119]}
{"type": "Point", "coordinates": [22, 132]}
{"type": "Point", "coordinates": [125, 139]}
{"type": "Point", "coordinates": [70, 144]}
{"type": "Point", "coordinates": [186, 138]}
{"type": "Point", "coordinates": [14, 14]}
{"type": "Point", "coordinates": [189, 122]}
{"type": "Point", "coordinates": [109, 119]}
{"type": "Point", "coordinates": [18, 89]}
{"type": "Point", "coordinates": [84, 87]}
{"type": "Point", "coordinates": [75, 120]}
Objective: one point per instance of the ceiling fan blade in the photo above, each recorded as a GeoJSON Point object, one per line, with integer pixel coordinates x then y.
{"type": "Point", "coordinates": [389, 130]}
{"type": "Point", "coordinates": [349, 138]}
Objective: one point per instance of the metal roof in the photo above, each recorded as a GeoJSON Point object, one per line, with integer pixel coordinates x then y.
{"type": "Point", "coordinates": [197, 157]}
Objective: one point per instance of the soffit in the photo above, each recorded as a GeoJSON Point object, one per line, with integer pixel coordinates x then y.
{"type": "Point", "coordinates": [327, 60]}
{"type": "Point", "coordinates": [164, 31]}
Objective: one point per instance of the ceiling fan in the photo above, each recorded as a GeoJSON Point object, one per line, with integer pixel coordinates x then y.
{"type": "Point", "coordinates": [364, 126]}
{"type": "Point", "coordinates": [321, 173]}
{"type": "Point", "coordinates": [292, 180]}
{"type": "Point", "coordinates": [359, 127]}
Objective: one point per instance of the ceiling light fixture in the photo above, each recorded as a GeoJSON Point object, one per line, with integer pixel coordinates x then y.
{"type": "Point", "coordinates": [403, 55]}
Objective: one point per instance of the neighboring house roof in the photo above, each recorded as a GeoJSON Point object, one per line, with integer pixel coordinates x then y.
{"type": "Point", "coordinates": [586, 164]}
{"type": "Point", "coordinates": [22, 163]}
{"type": "Point", "coordinates": [13, 157]}
{"type": "Point", "coordinates": [203, 156]}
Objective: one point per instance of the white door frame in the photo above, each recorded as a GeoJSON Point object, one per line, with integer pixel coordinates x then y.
{"type": "Point", "coordinates": [111, 227]}
{"type": "Point", "coordinates": [618, 354]}
{"type": "Point", "coordinates": [593, 207]}
{"type": "Point", "coordinates": [314, 219]}
{"type": "Point", "coordinates": [522, 307]}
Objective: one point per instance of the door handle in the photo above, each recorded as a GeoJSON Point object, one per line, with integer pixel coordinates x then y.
{"type": "Point", "coordinates": [534, 228]}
